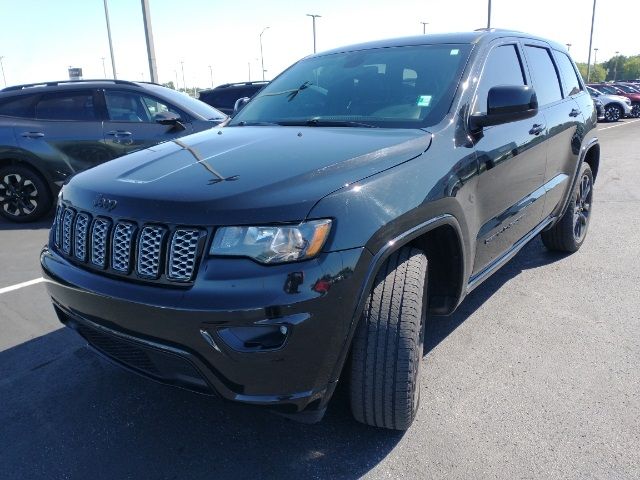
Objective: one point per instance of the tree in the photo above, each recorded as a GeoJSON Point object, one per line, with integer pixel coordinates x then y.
{"type": "Point", "coordinates": [631, 69]}
{"type": "Point", "coordinates": [614, 67]}
{"type": "Point", "coordinates": [598, 72]}
{"type": "Point", "coordinates": [169, 85]}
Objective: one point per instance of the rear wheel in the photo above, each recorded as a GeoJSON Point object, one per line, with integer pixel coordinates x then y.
{"type": "Point", "coordinates": [569, 233]}
{"type": "Point", "coordinates": [613, 112]}
{"type": "Point", "coordinates": [24, 197]}
{"type": "Point", "coordinates": [388, 345]}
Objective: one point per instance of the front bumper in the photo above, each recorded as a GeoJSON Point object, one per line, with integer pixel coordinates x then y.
{"type": "Point", "coordinates": [181, 336]}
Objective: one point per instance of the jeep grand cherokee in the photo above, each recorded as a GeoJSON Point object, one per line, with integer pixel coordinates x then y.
{"type": "Point", "coordinates": [363, 190]}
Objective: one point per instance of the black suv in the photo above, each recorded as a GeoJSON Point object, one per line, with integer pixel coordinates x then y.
{"type": "Point", "coordinates": [363, 190]}
{"type": "Point", "coordinates": [50, 131]}
{"type": "Point", "coordinates": [224, 97]}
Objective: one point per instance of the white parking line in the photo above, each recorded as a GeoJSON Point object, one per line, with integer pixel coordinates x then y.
{"type": "Point", "coordinates": [21, 285]}
{"type": "Point", "coordinates": [619, 125]}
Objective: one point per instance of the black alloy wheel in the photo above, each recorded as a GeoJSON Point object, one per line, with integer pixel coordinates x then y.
{"type": "Point", "coordinates": [612, 113]}
{"type": "Point", "coordinates": [24, 197]}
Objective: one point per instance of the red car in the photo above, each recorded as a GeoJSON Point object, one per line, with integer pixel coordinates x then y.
{"type": "Point", "coordinates": [618, 90]}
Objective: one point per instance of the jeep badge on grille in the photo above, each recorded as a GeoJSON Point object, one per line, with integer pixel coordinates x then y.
{"type": "Point", "coordinates": [103, 202]}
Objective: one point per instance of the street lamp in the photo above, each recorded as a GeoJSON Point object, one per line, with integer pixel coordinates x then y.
{"type": "Point", "coordinates": [595, 57]}
{"type": "Point", "coordinates": [4, 79]}
{"type": "Point", "coordinates": [249, 65]}
{"type": "Point", "coordinates": [424, 27]}
{"type": "Point", "coordinates": [568, 47]}
{"type": "Point", "coordinates": [615, 66]}
{"type": "Point", "coordinates": [104, 70]}
{"type": "Point", "coordinates": [184, 83]}
{"type": "Point", "coordinates": [261, 54]}
{"type": "Point", "coordinates": [593, 17]}
{"type": "Point", "coordinates": [113, 61]}
{"type": "Point", "coordinates": [176, 74]}
{"type": "Point", "coordinates": [313, 18]}
{"type": "Point", "coordinates": [211, 75]}
{"type": "Point", "coordinates": [489, 15]}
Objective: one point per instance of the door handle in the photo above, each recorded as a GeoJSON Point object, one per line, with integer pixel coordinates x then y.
{"type": "Point", "coordinates": [575, 112]}
{"type": "Point", "coordinates": [119, 133]}
{"type": "Point", "coordinates": [33, 134]}
{"type": "Point", "coordinates": [537, 128]}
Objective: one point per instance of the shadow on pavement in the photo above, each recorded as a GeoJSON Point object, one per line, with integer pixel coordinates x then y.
{"type": "Point", "coordinates": [66, 413]}
{"type": "Point", "coordinates": [44, 222]}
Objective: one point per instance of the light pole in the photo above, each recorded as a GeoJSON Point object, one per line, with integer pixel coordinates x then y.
{"type": "Point", "coordinates": [113, 60]}
{"type": "Point", "coordinates": [261, 55]}
{"type": "Point", "coordinates": [424, 27]}
{"type": "Point", "coordinates": [249, 65]}
{"type": "Point", "coordinates": [593, 17]}
{"type": "Point", "coordinates": [176, 74]}
{"type": "Point", "coordinates": [148, 34]}
{"type": "Point", "coordinates": [211, 75]}
{"type": "Point", "coordinates": [595, 57]}
{"type": "Point", "coordinates": [4, 79]}
{"type": "Point", "coordinates": [615, 66]}
{"type": "Point", "coordinates": [568, 47]}
{"type": "Point", "coordinates": [104, 70]}
{"type": "Point", "coordinates": [489, 15]}
{"type": "Point", "coordinates": [313, 18]}
{"type": "Point", "coordinates": [184, 83]}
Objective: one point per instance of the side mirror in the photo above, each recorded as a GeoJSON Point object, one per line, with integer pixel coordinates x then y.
{"type": "Point", "coordinates": [240, 103]}
{"type": "Point", "coordinates": [169, 118]}
{"type": "Point", "coordinates": [506, 103]}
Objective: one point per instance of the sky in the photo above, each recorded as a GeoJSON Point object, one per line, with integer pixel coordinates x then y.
{"type": "Point", "coordinates": [40, 39]}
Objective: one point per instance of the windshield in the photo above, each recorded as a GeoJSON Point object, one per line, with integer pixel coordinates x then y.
{"type": "Point", "coordinates": [185, 101]}
{"type": "Point", "coordinates": [608, 89]}
{"type": "Point", "coordinates": [399, 87]}
{"type": "Point", "coordinates": [627, 88]}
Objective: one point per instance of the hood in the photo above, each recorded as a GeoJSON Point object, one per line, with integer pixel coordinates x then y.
{"type": "Point", "coordinates": [241, 175]}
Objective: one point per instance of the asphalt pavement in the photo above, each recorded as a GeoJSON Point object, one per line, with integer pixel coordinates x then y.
{"type": "Point", "coordinates": [535, 376]}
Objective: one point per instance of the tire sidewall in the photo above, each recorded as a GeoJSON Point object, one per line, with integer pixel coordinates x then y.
{"type": "Point", "coordinates": [43, 199]}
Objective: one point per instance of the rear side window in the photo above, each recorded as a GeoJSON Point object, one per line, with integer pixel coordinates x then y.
{"type": "Point", "coordinates": [131, 107]}
{"type": "Point", "coordinates": [545, 78]}
{"type": "Point", "coordinates": [570, 82]}
{"type": "Point", "coordinates": [21, 106]}
{"type": "Point", "coordinates": [66, 106]}
{"type": "Point", "coordinates": [502, 67]}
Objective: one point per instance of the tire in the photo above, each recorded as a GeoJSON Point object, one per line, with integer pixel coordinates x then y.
{"type": "Point", "coordinates": [635, 110]}
{"type": "Point", "coordinates": [388, 344]}
{"type": "Point", "coordinates": [613, 112]}
{"type": "Point", "coordinates": [568, 234]}
{"type": "Point", "coordinates": [24, 196]}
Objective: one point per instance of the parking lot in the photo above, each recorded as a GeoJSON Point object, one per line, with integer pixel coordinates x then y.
{"type": "Point", "coordinates": [535, 376]}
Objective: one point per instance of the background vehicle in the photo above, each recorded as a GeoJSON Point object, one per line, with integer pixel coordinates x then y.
{"type": "Point", "coordinates": [615, 106]}
{"type": "Point", "coordinates": [599, 109]}
{"type": "Point", "coordinates": [359, 192]}
{"type": "Point", "coordinates": [51, 131]}
{"type": "Point", "coordinates": [224, 97]}
{"type": "Point", "coordinates": [634, 98]}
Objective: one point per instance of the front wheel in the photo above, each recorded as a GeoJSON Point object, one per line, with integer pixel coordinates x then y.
{"type": "Point", "coordinates": [613, 113]}
{"type": "Point", "coordinates": [569, 233]}
{"type": "Point", "coordinates": [24, 197]}
{"type": "Point", "coordinates": [635, 110]}
{"type": "Point", "coordinates": [388, 345]}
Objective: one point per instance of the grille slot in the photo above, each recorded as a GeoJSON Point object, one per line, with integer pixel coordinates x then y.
{"type": "Point", "coordinates": [80, 241]}
{"type": "Point", "coordinates": [149, 251]}
{"type": "Point", "coordinates": [57, 225]}
{"type": "Point", "coordinates": [99, 241]}
{"type": "Point", "coordinates": [67, 230]}
{"type": "Point", "coordinates": [182, 254]}
{"type": "Point", "coordinates": [121, 246]}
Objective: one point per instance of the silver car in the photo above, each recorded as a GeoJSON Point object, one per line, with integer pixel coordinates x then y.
{"type": "Point", "coordinates": [615, 106]}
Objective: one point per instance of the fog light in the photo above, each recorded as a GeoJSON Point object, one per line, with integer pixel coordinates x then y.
{"type": "Point", "coordinates": [254, 339]}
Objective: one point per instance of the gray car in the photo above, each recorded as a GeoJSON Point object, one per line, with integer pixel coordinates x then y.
{"type": "Point", "coordinates": [51, 131]}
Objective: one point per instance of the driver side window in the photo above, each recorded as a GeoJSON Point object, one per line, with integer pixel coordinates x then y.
{"type": "Point", "coordinates": [131, 107]}
{"type": "Point", "coordinates": [503, 67]}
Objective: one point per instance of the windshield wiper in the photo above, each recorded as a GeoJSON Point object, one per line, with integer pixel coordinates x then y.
{"type": "Point", "coordinates": [321, 122]}
{"type": "Point", "coordinates": [253, 124]}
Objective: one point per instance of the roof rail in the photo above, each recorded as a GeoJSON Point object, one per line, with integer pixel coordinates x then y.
{"type": "Point", "coordinates": [64, 82]}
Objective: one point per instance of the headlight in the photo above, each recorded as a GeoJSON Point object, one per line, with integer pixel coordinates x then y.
{"type": "Point", "coordinates": [627, 101]}
{"type": "Point", "coordinates": [272, 244]}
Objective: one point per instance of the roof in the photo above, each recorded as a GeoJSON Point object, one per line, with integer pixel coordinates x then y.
{"type": "Point", "coordinates": [472, 37]}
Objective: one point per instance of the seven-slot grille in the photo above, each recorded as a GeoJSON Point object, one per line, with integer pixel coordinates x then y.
{"type": "Point", "coordinates": [150, 252]}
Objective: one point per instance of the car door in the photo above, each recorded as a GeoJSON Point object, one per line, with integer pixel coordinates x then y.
{"type": "Point", "coordinates": [131, 124]}
{"type": "Point", "coordinates": [66, 132]}
{"type": "Point", "coordinates": [563, 116]}
{"type": "Point", "coordinates": [511, 162]}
